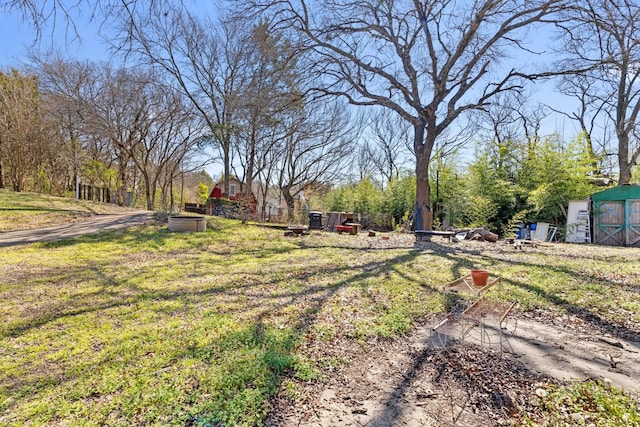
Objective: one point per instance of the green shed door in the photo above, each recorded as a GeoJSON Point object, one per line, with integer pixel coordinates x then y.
{"type": "Point", "coordinates": [609, 223]}
{"type": "Point", "coordinates": [617, 223]}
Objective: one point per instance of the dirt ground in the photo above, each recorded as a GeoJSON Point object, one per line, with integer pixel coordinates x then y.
{"type": "Point", "coordinates": [428, 380]}
{"type": "Point", "coordinates": [467, 373]}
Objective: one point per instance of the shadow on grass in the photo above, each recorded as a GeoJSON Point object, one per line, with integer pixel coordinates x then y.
{"type": "Point", "coordinates": [277, 350]}
{"type": "Point", "coordinates": [259, 296]}
{"type": "Point", "coordinates": [587, 315]}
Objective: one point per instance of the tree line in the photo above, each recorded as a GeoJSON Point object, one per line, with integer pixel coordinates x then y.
{"type": "Point", "coordinates": [505, 184]}
{"type": "Point", "coordinates": [264, 84]}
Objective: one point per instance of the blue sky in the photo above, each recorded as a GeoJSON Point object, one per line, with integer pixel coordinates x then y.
{"type": "Point", "coordinates": [18, 36]}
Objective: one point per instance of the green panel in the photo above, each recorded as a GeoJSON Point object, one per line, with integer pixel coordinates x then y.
{"type": "Point", "coordinates": [624, 192]}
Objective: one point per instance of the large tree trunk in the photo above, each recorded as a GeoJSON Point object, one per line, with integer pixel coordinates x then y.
{"type": "Point", "coordinates": [226, 151]}
{"type": "Point", "coordinates": [227, 171]}
{"type": "Point", "coordinates": [150, 194]}
{"type": "Point", "coordinates": [623, 159]}
{"type": "Point", "coordinates": [122, 188]}
{"type": "Point", "coordinates": [288, 198]}
{"type": "Point", "coordinates": [1, 180]}
{"type": "Point", "coordinates": [422, 215]}
{"type": "Point", "coordinates": [251, 162]}
{"type": "Point", "coordinates": [249, 178]}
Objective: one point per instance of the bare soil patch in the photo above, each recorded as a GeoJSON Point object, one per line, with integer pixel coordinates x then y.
{"type": "Point", "coordinates": [487, 377]}
{"type": "Point", "coordinates": [412, 381]}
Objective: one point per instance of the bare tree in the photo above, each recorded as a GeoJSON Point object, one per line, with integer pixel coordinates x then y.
{"type": "Point", "coordinates": [387, 148]}
{"type": "Point", "coordinates": [116, 111]}
{"type": "Point", "coordinates": [63, 84]}
{"type": "Point", "coordinates": [513, 116]}
{"type": "Point", "coordinates": [51, 14]}
{"type": "Point", "coordinates": [512, 124]}
{"type": "Point", "coordinates": [268, 170]}
{"type": "Point", "coordinates": [38, 13]}
{"type": "Point", "coordinates": [146, 125]}
{"type": "Point", "coordinates": [317, 144]}
{"type": "Point", "coordinates": [202, 57]}
{"type": "Point", "coordinates": [168, 136]}
{"type": "Point", "coordinates": [501, 119]}
{"type": "Point", "coordinates": [588, 117]}
{"type": "Point", "coordinates": [268, 94]}
{"type": "Point", "coordinates": [25, 137]}
{"type": "Point", "coordinates": [362, 158]}
{"type": "Point", "coordinates": [604, 38]}
{"type": "Point", "coordinates": [430, 61]}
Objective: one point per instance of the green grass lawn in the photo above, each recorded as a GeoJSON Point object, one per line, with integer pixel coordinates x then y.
{"type": "Point", "coordinates": [149, 327]}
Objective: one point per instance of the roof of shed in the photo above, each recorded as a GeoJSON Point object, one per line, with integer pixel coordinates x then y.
{"type": "Point", "coordinates": [624, 192]}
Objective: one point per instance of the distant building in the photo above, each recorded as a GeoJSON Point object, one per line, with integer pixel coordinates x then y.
{"type": "Point", "coordinates": [234, 190]}
{"type": "Point", "coordinates": [263, 207]}
{"type": "Point", "coordinates": [235, 194]}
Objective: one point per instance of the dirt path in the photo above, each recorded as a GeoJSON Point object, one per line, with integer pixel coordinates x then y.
{"type": "Point", "coordinates": [429, 380]}
{"type": "Point", "coordinates": [95, 224]}
{"type": "Point", "coordinates": [565, 353]}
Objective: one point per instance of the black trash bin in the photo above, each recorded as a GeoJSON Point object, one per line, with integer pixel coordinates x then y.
{"type": "Point", "coordinates": [315, 220]}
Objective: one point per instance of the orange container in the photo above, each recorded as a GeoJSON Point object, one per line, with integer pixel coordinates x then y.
{"type": "Point", "coordinates": [479, 277]}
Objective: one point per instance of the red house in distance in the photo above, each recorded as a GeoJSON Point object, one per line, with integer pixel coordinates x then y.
{"type": "Point", "coordinates": [234, 193]}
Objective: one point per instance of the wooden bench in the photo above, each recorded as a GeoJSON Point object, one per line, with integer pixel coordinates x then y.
{"type": "Point", "coordinates": [425, 235]}
{"type": "Point", "coordinates": [352, 228]}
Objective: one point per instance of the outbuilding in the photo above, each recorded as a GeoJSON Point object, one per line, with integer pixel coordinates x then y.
{"type": "Point", "coordinates": [616, 216]}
